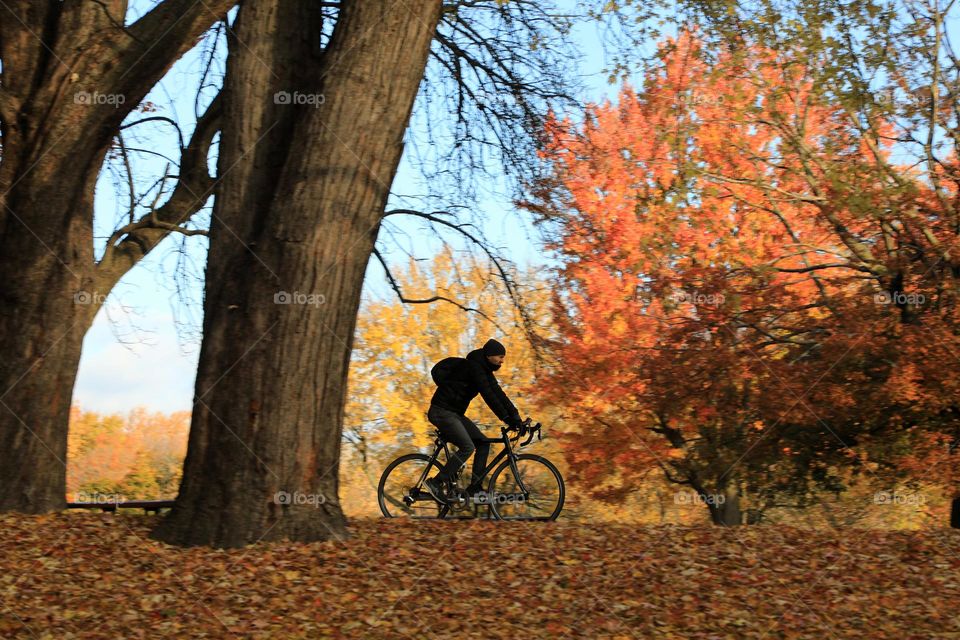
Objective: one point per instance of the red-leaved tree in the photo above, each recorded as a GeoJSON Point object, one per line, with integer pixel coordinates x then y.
{"type": "Point", "coordinates": [756, 298]}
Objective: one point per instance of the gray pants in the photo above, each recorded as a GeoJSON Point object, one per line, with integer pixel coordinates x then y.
{"type": "Point", "coordinates": [460, 431]}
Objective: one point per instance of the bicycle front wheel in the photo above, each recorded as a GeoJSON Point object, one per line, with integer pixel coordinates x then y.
{"type": "Point", "coordinates": [534, 492]}
{"type": "Point", "coordinates": [401, 493]}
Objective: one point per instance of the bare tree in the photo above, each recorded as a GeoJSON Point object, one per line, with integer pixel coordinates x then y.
{"type": "Point", "coordinates": [311, 139]}
{"type": "Point", "coordinates": [72, 73]}
{"type": "Point", "coordinates": [317, 99]}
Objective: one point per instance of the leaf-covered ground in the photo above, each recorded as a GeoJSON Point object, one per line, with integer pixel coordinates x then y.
{"type": "Point", "coordinates": [92, 575]}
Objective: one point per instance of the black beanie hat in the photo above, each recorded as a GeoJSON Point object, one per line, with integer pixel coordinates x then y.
{"type": "Point", "coordinates": [494, 348]}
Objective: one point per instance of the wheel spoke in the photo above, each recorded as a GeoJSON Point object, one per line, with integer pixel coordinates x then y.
{"type": "Point", "coordinates": [543, 486]}
{"type": "Point", "coordinates": [402, 495]}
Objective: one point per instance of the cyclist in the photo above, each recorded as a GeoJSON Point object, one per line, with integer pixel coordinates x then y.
{"type": "Point", "coordinates": [460, 385]}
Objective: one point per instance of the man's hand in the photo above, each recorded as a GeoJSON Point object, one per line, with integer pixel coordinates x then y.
{"type": "Point", "coordinates": [521, 425]}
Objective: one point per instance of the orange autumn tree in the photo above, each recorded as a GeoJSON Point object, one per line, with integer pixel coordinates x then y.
{"type": "Point", "coordinates": [133, 456]}
{"type": "Point", "coordinates": [756, 299]}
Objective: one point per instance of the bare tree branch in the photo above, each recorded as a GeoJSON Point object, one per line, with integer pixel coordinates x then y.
{"type": "Point", "coordinates": [396, 287]}
{"type": "Point", "coordinates": [536, 341]}
{"type": "Point", "coordinates": [130, 243]}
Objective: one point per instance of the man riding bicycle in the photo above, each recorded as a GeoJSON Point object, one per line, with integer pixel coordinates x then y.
{"type": "Point", "coordinates": [460, 384]}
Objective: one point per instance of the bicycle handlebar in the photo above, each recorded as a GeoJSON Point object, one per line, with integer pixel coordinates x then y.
{"type": "Point", "coordinates": [531, 430]}
{"type": "Point", "coordinates": [526, 429]}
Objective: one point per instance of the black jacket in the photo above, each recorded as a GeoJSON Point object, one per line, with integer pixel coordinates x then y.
{"type": "Point", "coordinates": [475, 376]}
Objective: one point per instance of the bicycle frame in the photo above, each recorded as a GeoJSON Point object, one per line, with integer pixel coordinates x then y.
{"type": "Point", "coordinates": [507, 451]}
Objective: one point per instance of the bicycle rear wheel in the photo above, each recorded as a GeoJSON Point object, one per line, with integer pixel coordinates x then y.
{"type": "Point", "coordinates": [545, 491]}
{"type": "Point", "coordinates": [401, 493]}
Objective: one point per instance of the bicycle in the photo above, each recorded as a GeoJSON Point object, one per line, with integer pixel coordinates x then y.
{"type": "Point", "coordinates": [523, 487]}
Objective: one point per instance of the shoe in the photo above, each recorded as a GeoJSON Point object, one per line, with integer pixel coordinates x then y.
{"type": "Point", "coordinates": [435, 487]}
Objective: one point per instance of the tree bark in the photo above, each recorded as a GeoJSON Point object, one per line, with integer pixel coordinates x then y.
{"type": "Point", "coordinates": [303, 192]}
{"type": "Point", "coordinates": [57, 56]}
{"type": "Point", "coordinates": [727, 513]}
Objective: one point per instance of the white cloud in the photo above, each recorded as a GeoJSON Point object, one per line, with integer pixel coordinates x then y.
{"type": "Point", "coordinates": [148, 368]}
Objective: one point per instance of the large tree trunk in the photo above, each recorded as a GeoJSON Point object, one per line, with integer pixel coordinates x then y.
{"type": "Point", "coordinates": [723, 503]}
{"type": "Point", "coordinates": [298, 211]}
{"type": "Point", "coordinates": [727, 513]}
{"type": "Point", "coordinates": [56, 56]}
{"type": "Point", "coordinates": [41, 331]}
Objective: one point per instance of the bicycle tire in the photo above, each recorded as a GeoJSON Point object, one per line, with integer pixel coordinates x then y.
{"type": "Point", "coordinates": [491, 487]}
{"type": "Point", "coordinates": [442, 511]}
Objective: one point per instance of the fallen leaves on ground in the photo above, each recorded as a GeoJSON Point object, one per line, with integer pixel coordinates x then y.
{"type": "Point", "coordinates": [94, 575]}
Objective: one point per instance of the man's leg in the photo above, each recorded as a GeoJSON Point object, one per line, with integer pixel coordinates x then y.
{"type": "Point", "coordinates": [482, 450]}
{"type": "Point", "coordinates": [452, 429]}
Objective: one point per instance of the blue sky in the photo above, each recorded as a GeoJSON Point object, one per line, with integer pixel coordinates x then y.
{"type": "Point", "coordinates": [142, 348]}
